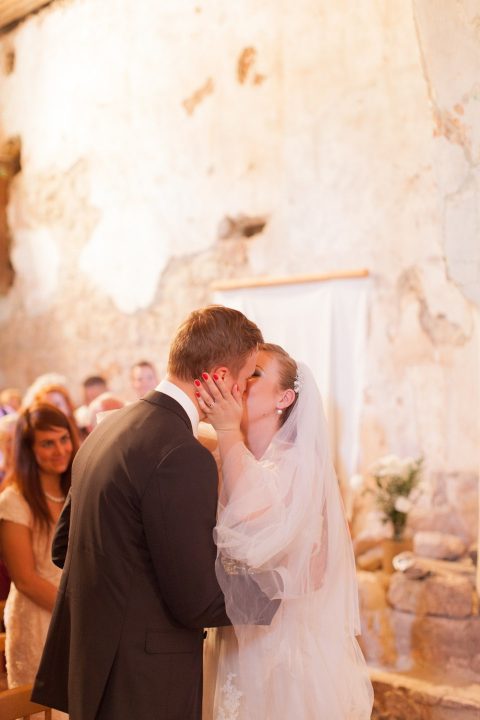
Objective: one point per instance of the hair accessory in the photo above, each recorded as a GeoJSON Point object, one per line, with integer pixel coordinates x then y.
{"type": "Point", "coordinates": [298, 382]}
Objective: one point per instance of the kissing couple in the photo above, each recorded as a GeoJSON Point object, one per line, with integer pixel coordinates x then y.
{"type": "Point", "coordinates": [153, 552]}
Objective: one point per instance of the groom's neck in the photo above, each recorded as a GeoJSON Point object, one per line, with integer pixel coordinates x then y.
{"type": "Point", "coordinates": [186, 385]}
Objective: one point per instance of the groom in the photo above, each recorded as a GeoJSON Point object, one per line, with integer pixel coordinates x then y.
{"type": "Point", "coordinates": [139, 585]}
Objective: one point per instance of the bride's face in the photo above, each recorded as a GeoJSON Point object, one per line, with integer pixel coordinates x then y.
{"type": "Point", "coordinates": [263, 391]}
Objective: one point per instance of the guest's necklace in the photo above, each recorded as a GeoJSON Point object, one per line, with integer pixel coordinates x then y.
{"type": "Point", "coordinates": [53, 498]}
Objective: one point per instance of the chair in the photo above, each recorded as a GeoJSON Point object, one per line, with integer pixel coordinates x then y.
{"type": "Point", "coordinates": [16, 703]}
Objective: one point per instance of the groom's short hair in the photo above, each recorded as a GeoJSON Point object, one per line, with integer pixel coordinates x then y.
{"type": "Point", "coordinates": [210, 337]}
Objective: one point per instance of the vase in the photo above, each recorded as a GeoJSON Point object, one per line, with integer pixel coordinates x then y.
{"type": "Point", "coordinates": [392, 547]}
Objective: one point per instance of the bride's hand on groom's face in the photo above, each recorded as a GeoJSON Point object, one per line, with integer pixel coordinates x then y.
{"type": "Point", "coordinates": [222, 407]}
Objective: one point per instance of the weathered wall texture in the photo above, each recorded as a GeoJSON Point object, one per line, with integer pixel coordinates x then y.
{"type": "Point", "coordinates": [352, 128]}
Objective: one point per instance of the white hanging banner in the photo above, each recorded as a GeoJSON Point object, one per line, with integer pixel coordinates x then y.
{"type": "Point", "coordinates": [323, 324]}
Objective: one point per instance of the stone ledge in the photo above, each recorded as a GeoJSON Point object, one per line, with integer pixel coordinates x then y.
{"type": "Point", "coordinates": [405, 697]}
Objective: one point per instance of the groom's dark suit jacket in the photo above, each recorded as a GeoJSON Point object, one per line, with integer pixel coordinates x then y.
{"type": "Point", "coordinates": [139, 585]}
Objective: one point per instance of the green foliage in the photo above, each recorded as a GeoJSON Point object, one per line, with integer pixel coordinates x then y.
{"type": "Point", "coordinates": [395, 480]}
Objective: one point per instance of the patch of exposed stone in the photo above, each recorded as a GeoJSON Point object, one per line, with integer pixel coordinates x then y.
{"type": "Point", "coordinates": [402, 697]}
{"type": "Point", "coordinates": [421, 628]}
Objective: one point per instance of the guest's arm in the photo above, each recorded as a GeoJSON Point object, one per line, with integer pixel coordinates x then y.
{"type": "Point", "coordinates": [17, 551]}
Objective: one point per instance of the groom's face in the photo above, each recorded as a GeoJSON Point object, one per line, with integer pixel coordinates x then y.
{"type": "Point", "coordinates": [244, 373]}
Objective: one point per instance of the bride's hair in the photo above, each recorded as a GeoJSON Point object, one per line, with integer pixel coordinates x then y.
{"type": "Point", "coordinates": [288, 373]}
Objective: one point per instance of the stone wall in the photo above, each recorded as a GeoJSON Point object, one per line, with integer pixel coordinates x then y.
{"type": "Point", "coordinates": [345, 127]}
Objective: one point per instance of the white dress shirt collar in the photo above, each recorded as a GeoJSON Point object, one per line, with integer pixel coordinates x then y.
{"type": "Point", "coordinates": [173, 391]}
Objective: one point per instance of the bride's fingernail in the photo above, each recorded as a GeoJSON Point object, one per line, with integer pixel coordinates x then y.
{"type": "Point", "coordinates": [215, 376]}
{"type": "Point", "coordinates": [197, 383]}
{"type": "Point", "coordinates": [205, 376]}
{"type": "Point", "coordinates": [197, 394]}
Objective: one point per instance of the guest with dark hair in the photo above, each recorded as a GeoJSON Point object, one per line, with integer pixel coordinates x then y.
{"type": "Point", "coordinates": [44, 447]}
{"type": "Point", "coordinates": [59, 396]}
{"type": "Point", "coordinates": [93, 386]}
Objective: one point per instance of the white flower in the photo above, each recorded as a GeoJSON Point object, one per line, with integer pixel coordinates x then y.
{"type": "Point", "coordinates": [356, 482]}
{"type": "Point", "coordinates": [402, 504]}
{"type": "Point", "coordinates": [393, 466]}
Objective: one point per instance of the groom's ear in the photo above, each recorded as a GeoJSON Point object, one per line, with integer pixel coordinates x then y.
{"type": "Point", "coordinates": [221, 371]}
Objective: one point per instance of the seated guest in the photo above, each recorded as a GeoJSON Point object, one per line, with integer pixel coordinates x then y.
{"type": "Point", "coordinates": [56, 395]}
{"type": "Point", "coordinates": [40, 382]}
{"type": "Point", "coordinates": [93, 386]}
{"type": "Point", "coordinates": [10, 400]}
{"type": "Point", "coordinates": [7, 431]}
{"type": "Point", "coordinates": [59, 396]}
{"type": "Point", "coordinates": [30, 504]}
{"type": "Point", "coordinates": [101, 405]}
{"type": "Point", "coordinates": [143, 378]}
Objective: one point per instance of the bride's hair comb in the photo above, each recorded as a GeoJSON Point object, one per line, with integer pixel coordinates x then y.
{"type": "Point", "coordinates": [298, 382]}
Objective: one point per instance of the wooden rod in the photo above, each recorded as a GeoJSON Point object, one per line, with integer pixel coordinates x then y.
{"type": "Point", "coordinates": [267, 281]}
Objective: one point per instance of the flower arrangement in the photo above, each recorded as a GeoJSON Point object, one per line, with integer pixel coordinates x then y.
{"type": "Point", "coordinates": [395, 479]}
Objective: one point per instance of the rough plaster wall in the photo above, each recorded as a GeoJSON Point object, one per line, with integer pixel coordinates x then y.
{"type": "Point", "coordinates": [450, 49]}
{"type": "Point", "coordinates": [141, 131]}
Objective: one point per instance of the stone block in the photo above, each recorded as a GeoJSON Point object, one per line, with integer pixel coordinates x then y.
{"type": "Point", "coordinates": [371, 559]}
{"type": "Point", "coordinates": [438, 545]}
{"type": "Point", "coordinates": [400, 697]}
{"type": "Point", "coordinates": [377, 640]}
{"type": "Point", "coordinates": [365, 542]}
{"type": "Point", "coordinates": [444, 644]}
{"type": "Point", "coordinates": [441, 595]}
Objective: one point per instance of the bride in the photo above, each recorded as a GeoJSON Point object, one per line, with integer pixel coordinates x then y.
{"type": "Point", "coordinates": [281, 530]}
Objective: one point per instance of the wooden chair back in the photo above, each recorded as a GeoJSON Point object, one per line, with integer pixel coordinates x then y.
{"type": "Point", "coordinates": [16, 703]}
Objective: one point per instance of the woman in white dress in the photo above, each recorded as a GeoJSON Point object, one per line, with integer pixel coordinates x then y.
{"type": "Point", "coordinates": [44, 447]}
{"type": "Point", "coordinates": [281, 527]}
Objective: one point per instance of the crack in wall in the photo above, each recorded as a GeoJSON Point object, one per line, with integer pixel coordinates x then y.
{"type": "Point", "coordinates": [457, 239]}
{"type": "Point", "coordinates": [190, 104]}
{"type": "Point", "coordinates": [446, 123]}
{"type": "Point", "coordinates": [438, 328]}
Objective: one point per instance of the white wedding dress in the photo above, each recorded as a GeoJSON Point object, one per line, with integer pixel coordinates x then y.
{"type": "Point", "coordinates": [281, 527]}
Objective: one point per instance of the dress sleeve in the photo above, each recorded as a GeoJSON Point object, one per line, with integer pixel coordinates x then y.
{"type": "Point", "coordinates": [270, 533]}
{"type": "Point", "coordinates": [13, 507]}
{"type": "Point", "coordinates": [258, 515]}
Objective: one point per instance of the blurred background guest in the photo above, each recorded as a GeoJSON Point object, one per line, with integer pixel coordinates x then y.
{"type": "Point", "coordinates": [102, 404]}
{"type": "Point", "coordinates": [143, 377]}
{"type": "Point", "coordinates": [57, 395]}
{"type": "Point", "coordinates": [7, 431]}
{"type": "Point", "coordinates": [92, 387]}
{"type": "Point", "coordinates": [10, 400]}
{"type": "Point", "coordinates": [51, 378]}
{"type": "Point", "coordinates": [44, 447]}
